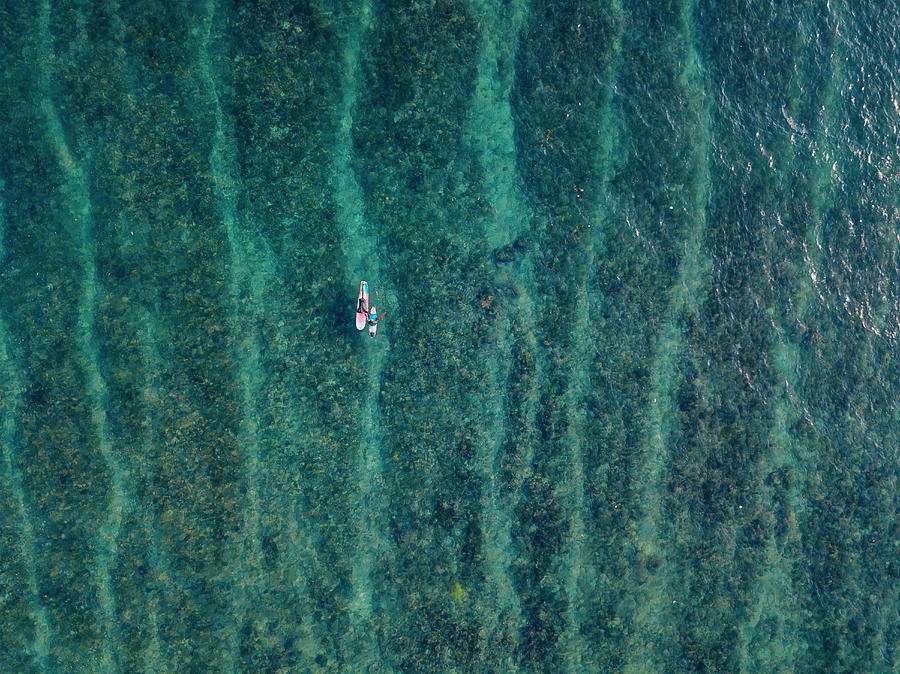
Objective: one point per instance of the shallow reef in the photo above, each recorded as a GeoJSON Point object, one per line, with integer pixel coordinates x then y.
{"type": "Point", "coordinates": [633, 403]}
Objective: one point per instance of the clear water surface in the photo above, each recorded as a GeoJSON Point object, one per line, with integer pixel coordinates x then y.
{"type": "Point", "coordinates": [633, 406]}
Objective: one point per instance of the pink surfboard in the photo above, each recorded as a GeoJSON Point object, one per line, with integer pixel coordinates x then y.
{"type": "Point", "coordinates": [362, 306]}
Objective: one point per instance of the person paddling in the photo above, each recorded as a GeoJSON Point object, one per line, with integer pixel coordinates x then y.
{"type": "Point", "coordinates": [365, 313]}
{"type": "Point", "coordinates": [373, 320]}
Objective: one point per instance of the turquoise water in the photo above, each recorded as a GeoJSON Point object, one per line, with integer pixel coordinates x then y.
{"type": "Point", "coordinates": [633, 406]}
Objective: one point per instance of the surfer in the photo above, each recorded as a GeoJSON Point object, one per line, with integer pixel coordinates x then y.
{"type": "Point", "coordinates": [362, 306]}
{"type": "Point", "coordinates": [373, 320]}
{"type": "Point", "coordinates": [365, 314]}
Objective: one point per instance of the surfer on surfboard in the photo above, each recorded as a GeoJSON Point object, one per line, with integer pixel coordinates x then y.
{"type": "Point", "coordinates": [373, 320]}
{"type": "Point", "coordinates": [362, 306]}
{"type": "Point", "coordinates": [365, 314]}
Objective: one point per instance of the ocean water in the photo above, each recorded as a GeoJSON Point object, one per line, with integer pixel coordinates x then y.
{"type": "Point", "coordinates": [634, 402]}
